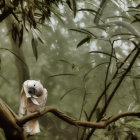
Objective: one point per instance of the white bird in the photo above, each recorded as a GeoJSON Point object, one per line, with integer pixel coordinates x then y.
{"type": "Point", "coordinates": [33, 97]}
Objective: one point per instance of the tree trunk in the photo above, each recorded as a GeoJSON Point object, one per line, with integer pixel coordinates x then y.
{"type": "Point", "coordinates": [22, 69]}
{"type": "Point", "coordinates": [8, 123]}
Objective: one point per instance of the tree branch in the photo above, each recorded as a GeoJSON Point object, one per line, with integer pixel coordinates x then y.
{"type": "Point", "coordinates": [100, 125]}
{"type": "Point", "coordinates": [114, 91]}
{"type": "Point", "coordinates": [134, 31]}
{"type": "Point", "coordinates": [5, 14]}
{"type": "Point", "coordinates": [107, 86]}
{"type": "Point", "coordinates": [12, 124]}
{"type": "Point", "coordinates": [8, 123]}
{"type": "Point", "coordinates": [9, 10]}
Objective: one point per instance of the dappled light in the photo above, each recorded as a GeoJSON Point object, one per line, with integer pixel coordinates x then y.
{"type": "Point", "coordinates": [86, 54]}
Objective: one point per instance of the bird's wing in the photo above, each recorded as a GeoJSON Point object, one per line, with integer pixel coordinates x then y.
{"type": "Point", "coordinates": [45, 94]}
{"type": "Point", "coordinates": [23, 103]}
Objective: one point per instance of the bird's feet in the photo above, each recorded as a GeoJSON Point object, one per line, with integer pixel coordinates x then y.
{"type": "Point", "coordinates": [38, 111]}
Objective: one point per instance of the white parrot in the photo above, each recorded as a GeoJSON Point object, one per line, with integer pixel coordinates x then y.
{"type": "Point", "coordinates": [33, 97]}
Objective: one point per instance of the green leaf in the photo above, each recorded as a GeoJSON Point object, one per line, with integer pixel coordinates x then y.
{"type": "Point", "coordinates": [58, 15]}
{"type": "Point", "coordinates": [88, 32]}
{"type": "Point", "coordinates": [118, 4]}
{"type": "Point", "coordinates": [34, 47]}
{"type": "Point", "coordinates": [69, 4]}
{"type": "Point", "coordinates": [87, 10]}
{"type": "Point", "coordinates": [13, 54]}
{"type": "Point", "coordinates": [92, 4]}
{"type": "Point", "coordinates": [68, 92]}
{"type": "Point", "coordinates": [41, 40]}
{"type": "Point", "coordinates": [84, 31]}
{"type": "Point", "coordinates": [78, 30]}
{"type": "Point", "coordinates": [64, 74]}
{"type": "Point", "coordinates": [87, 39]}
{"type": "Point", "coordinates": [124, 34]}
{"type": "Point", "coordinates": [21, 36]}
{"type": "Point", "coordinates": [86, 74]}
{"type": "Point", "coordinates": [74, 7]}
{"type": "Point", "coordinates": [65, 61]}
{"type": "Point", "coordinates": [116, 17]}
{"type": "Point", "coordinates": [101, 27]}
{"type": "Point", "coordinates": [105, 53]}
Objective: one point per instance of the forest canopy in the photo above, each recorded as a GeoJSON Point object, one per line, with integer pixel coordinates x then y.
{"type": "Point", "coordinates": [86, 54]}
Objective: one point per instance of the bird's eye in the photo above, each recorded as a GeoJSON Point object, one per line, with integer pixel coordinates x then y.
{"type": "Point", "coordinates": [34, 85]}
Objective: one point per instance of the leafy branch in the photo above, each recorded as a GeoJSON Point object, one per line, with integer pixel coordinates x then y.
{"type": "Point", "coordinates": [114, 91]}
{"type": "Point", "coordinates": [12, 124]}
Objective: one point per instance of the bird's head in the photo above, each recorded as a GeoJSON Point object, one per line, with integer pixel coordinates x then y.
{"type": "Point", "coordinates": [33, 88]}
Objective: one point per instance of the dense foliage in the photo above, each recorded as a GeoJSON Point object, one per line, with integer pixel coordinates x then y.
{"type": "Point", "coordinates": [79, 50]}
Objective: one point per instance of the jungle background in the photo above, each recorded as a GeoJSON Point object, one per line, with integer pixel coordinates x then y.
{"type": "Point", "coordinates": [74, 48]}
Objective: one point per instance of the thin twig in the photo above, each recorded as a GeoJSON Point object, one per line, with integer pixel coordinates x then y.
{"type": "Point", "coordinates": [114, 91]}
{"type": "Point", "coordinates": [102, 94]}
{"type": "Point", "coordinates": [83, 103]}
{"type": "Point", "coordinates": [107, 71]}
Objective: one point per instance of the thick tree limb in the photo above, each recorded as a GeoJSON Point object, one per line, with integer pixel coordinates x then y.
{"type": "Point", "coordinates": [8, 123]}
{"type": "Point", "coordinates": [101, 125]}
{"type": "Point", "coordinates": [12, 125]}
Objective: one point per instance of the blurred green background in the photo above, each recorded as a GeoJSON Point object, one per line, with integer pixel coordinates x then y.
{"type": "Point", "coordinates": [61, 67]}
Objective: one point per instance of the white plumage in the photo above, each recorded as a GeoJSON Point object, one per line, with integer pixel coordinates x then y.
{"type": "Point", "coordinates": [33, 97]}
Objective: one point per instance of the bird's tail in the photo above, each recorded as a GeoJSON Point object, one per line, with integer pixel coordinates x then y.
{"type": "Point", "coordinates": [32, 127]}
